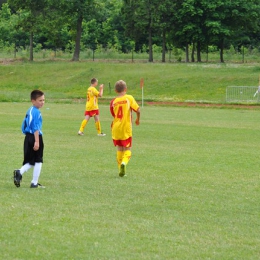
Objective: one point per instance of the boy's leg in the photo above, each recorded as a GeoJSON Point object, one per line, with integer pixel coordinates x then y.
{"type": "Point", "coordinates": [83, 124]}
{"type": "Point", "coordinates": [126, 156]}
{"type": "Point", "coordinates": [36, 174]}
{"type": "Point", "coordinates": [28, 151]}
{"type": "Point", "coordinates": [38, 164]}
{"type": "Point", "coordinates": [18, 174]}
{"type": "Point", "coordinates": [119, 156]}
{"type": "Point", "coordinates": [98, 126]}
{"type": "Point", "coordinates": [25, 168]}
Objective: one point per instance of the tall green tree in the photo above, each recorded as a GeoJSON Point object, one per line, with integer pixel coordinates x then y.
{"type": "Point", "coordinates": [105, 27]}
{"type": "Point", "coordinates": [166, 16]}
{"type": "Point", "coordinates": [54, 28]}
{"type": "Point", "coordinates": [5, 17]}
{"type": "Point", "coordinates": [216, 22]}
{"type": "Point", "coordinates": [225, 20]}
{"type": "Point", "coordinates": [32, 19]}
{"type": "Point", "coordinates": [10, 34]}
{"type": "Point", "coordinates": [141, 18]}
{"type": "Point", "coordinates": [128, 13]}
{"type": "Point", "coordinates": [77, 11]}
{"type": "Point", "coordinates": [188, 20]}
{"type": "Point", "coordinates": [2, 2]}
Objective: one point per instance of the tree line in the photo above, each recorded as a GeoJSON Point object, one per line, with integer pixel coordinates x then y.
{"type": "Point", "coordinates": [130, 25]}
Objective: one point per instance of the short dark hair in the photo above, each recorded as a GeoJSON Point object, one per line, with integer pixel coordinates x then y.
{"type": "Point", "coordinates": [36, 94]}
{"type": "Point", "coordinates": [93, 81]}
{"type": "Point", "coordinates": [120, 86]}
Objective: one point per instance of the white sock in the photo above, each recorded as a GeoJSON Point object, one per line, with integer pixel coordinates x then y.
{"type": "Point", "coordinates": [25, 168]}
{"type": "Point", "coordinates": [36, 172]}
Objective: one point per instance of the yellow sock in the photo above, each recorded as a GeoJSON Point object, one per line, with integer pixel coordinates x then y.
{"type": "Point", "coordinates": [126, 157]}
{"type": "Point", "coordinates": [119, 158]}
{"type": "Point", "coordinates": [83, 125]}
{"type": "Point", "coordinates": [98, 127]}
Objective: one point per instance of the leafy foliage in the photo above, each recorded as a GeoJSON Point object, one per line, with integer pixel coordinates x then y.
{"type": "Point", "coordinates": [131, 25]}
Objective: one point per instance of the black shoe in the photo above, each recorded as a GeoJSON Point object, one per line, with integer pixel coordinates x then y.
{"type": "Point", "coordinates": [122, 170]}
{"type": "Point", "coordinates": [38, 185]}
{"type": "Point", "coordinates": [17, 178]}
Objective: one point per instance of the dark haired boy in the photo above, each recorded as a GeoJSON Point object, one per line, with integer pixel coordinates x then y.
{"type": "Point", "coordinates": [92, 107]}
{"type": "Point", "coordinates": [121, 109]}
{"type": "Point", "coordinates": [33, 142]}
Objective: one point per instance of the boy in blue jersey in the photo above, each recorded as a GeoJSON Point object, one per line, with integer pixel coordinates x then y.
{"type": "Point", "coordinates": [33, 142]}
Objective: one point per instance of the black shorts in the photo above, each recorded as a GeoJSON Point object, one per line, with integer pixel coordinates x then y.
{"type": "Point", "coordinates": [31, 156]}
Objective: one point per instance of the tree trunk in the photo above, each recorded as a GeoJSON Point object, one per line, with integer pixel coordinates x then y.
{"type": "Point", "coordinates": [31, 46]}
{"type": "Point", "coordinates": [150, 45]}
{"type": "Point", "coordinates": [222, 51]}
{"type": "Point", "coordinates": [243, 55]}
{"type": "Point", "coordinates": [187, 53]}
{"type": "Point", "coordinates": [198, 51]}
{"type": "Point", "coordinates": [14, 51]}
{"type": "Point", "coordinates": [207, 52]}
{"type": "Point", "coordinates": [193, 52]}
{"type": "Point", "coordinates": [78, 38]}
{"type": "Point", "coordinates": [163, 46]}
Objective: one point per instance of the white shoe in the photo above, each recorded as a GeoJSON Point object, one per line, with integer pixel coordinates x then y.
{"type": "Point", "coordinates": [101, 134]}
{"type": "Point", "coordinates": [80, 133]}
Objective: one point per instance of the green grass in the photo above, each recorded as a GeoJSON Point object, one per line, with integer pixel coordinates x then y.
{"type": "Point", "coordinates": [192, 190]}
{"type": "Point", "coordinates": [164, 82]}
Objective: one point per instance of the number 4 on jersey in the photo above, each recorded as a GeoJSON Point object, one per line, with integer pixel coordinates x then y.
{"type": "Point", "coordinates": [120, 112]}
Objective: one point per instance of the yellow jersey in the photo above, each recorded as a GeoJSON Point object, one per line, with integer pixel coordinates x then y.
{"type": "Point", "coordinates": [92, 99]}
{"type": "Point", "coordinates": [121, 109]}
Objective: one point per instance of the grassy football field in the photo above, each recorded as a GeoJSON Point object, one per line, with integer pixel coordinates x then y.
{"type": "Point", "coordinates": [191, 191]}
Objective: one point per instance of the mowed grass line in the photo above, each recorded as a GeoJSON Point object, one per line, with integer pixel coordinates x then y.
{"type": "Point", "coordinates": [164, 82]}
{"type": "Point", "coordinates": [192, 190]}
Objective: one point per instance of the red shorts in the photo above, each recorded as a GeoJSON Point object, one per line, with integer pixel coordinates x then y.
{"type": "Point", "coordinates": [92, 113]}
{"type": "Point", "coordinates": [125, 143]}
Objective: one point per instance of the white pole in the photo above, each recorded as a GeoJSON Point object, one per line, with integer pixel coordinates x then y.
{"type": "Point", "coordinates": [142, 87]}
{"type": "Point", "coordinates": [142, 96]}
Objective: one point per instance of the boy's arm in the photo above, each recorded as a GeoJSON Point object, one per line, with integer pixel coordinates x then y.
{"type": "Point", "coordinates": [36, 141]}
{"type": "Point", "coordinates": [138, 113]}
{"type": "Point", "coordinates": [111, 108]}
{"type": "Point", "coordinates": [101, 90]}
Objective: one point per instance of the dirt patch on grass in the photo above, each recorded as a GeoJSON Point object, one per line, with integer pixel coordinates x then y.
{"type": "Point", "coordinates": [203, 105]}
{"type": "Point", "coordinates": [174, 104]}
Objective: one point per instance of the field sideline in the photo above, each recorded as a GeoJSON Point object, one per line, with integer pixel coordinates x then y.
{"type": "Point", "coordinates": [192, 190]}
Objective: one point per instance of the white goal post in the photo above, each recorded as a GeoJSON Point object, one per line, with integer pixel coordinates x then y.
{"type": "Point", "coordinates": [243, 94]}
